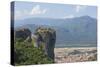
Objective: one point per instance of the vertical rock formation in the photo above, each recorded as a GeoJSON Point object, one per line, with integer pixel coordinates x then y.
{"type": "Point", "coordinates": [47, 38]}
{"type": "Point", "coordinates": [24, 34]}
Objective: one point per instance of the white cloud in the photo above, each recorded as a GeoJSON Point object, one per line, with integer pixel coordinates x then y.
{"type": "Point", "coordinates": [17, 14]}
{"type": "Point", "coordinates": [37, 10]}
{"type": "Point", "coordinates": [68, 16]}
{"type": "Point", "coordinates": [21, 14]}
{"type": "Point", "coordinates": [79, 8]}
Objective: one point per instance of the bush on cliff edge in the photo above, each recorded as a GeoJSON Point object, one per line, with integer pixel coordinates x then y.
{"type": "Point", "coordinates": [26, 54]}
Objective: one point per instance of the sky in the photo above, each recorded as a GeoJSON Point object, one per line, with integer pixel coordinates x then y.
{"type": "Point", "coordinates": [24, 10]}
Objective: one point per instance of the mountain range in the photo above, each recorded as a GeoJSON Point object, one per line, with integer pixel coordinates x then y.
{"type": "Point", "coordinates": [79, 30]}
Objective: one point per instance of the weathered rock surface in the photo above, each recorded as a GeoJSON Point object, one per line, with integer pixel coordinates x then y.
{"type": "Point", "coordinates": [24, 34]}
{"type": "Point", "coordinates": [46, 37]}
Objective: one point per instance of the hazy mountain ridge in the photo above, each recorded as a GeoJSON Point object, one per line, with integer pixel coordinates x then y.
{"type": "Point", "coordinates": [73, 30]}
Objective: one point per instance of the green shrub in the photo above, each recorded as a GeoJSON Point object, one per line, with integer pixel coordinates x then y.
{"type": "Point", "coordinates": [26, 54]}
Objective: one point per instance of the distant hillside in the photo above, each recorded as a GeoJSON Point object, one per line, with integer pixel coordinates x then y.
{"type": "Point", "coordinates": [79, 30]}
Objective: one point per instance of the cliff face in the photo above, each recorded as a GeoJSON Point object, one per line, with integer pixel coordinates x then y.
{"type": "Point", "coordinates": [43, 37]}
{"type": "Point", "coordinates": [46, 37]}
{"type": "Point", "coordinates": [24, 34]}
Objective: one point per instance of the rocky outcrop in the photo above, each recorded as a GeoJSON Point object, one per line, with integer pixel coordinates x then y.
{"type": "Point", "coordinates": [24, 34]}
{"type": "Point", "coordinates": [45, 37]}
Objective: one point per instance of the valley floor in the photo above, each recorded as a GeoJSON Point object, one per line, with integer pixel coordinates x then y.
{"type": "Point", "coordinates": [82, 54]}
